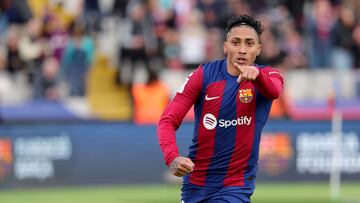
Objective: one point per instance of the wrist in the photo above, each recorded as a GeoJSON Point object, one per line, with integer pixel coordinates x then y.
{"type": "Point", "coordinates": [170, 159]}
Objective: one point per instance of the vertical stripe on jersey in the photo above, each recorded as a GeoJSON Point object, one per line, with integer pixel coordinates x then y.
{"type": "Point", "coordinates": [205, 137]}
{"type": "Point", "coordinates": [225, 137]}
{"type": "Point", "coordinates": [244, 139]}
{"type": "Point", "coordinates": [263, 106]}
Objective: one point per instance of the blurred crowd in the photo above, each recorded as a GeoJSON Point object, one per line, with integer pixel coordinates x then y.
{"type": "Point", "coordinates": [46, 43]}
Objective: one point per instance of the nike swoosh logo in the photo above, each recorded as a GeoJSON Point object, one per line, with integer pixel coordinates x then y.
{"type": "Point", "coordinates": [210, 98]}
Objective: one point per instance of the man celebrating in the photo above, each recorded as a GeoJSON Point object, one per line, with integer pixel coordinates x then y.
{"type": "Point", "coordinates": [232, 100]}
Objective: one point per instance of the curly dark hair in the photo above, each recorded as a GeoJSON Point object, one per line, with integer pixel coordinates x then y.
{"type": "Point", "coordinates": [244, 20]}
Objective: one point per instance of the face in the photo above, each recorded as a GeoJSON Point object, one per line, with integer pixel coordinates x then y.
{"type": "Point", "coordinates": [242, 45]}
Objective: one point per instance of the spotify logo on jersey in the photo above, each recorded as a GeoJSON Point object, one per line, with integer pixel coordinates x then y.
{"type": "Point", "coordinates": [209, 121]}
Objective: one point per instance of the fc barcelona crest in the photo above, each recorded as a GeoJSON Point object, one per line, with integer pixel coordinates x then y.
{"type": "Point", "coordinates": [245, 95]}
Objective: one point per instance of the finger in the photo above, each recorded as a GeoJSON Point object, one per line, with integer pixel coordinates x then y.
{"type": "Point", "coordinates": [256, 73]}
{"type": "Point", "coordinates": [178, 171]}
{"type": "Point", "coordinates": [181, 172]}
{"type": "Point", "coordinates": [239, 78]}
{"type": "Point", "coordinates": [192, 165]}
{"type": "Point", "coordinates": [183, 164]}
{"type": "Point", "coordinates": [245, 76]}
{"type": "Point", "coordinates": [186, 166]}
{"type": "Point", "coordinates": [189, 165]}
{"type": "Point", "coordinates": [188, 160]}
{"type": "Point", "coordinates": [253, 76]}
{"type": "Point", "coordinates": [237, 66]}
{"type": "Point", "coordinates": [249, 76]}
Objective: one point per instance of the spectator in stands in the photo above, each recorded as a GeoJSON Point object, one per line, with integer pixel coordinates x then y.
{"type": "Point", "coordinates": [293, 47]}
{"type": "Point", "coordinates": [137, 41]}
{"type": "Point", "coordinates": [319, 28]}
{"type": "Point", "coordinates": [57, 37]}
{"type": "Point", "coordinates": [77, 59]}
{"type": "Point", "coordinates": [5, 81]}
{"type": "Point", "coordinates": [150, 99]}
{"type": "Point", "coordinates": [46, 84]}
{"type": "Point", "coordinates": [13, 82]}
{"type": "Point", "coordinates": [237, 7]}
{"type": "Point", "coordinates": [18, 11]}
{"type": "Point", "coordinates": [119, 8]}
{"type": "Point", "coordinates": [295, 8]}
{"type": "Point", "coordinates": [163, 22]}
{"type": "Point", "coordinates": [32, 47]}
{"type": "Point", "coordinates": [2, 60]}
{"type": "Point", "coordinates": [342, 36]}
{"type": "Point", "coordinates": [330, 26]}
{"type": "Point", "coordinates": [192, 39]}
{"type": "Point", "coordinates": [15, 63]}
{"type": "Point", "coordinates": [215, 12]}
{"type": "Point", "coordinates": [3, 21]}
{"type": "Point", "coordinates": [271, 52]}
{"type": "Point", "coordinates": [356, 45]}
{"type": "Point", "coordinates": [58, 11]}
{"type": "Point", "coordinates": [171, 49]}
{"type": "Point", "coordinates": [92, 16]}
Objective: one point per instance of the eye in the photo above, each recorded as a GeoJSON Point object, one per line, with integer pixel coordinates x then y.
{"type": "Point", "coordinates": [250, 43]}
{"type": "Point", "coordinates": [235, 43]}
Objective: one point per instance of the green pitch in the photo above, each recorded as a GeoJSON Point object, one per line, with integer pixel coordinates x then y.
{"type": "Point", "coordinates": [265, 193]}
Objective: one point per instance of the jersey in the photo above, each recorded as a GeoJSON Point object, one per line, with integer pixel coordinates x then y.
{"type": "Point", "coordinates": [229, 119]}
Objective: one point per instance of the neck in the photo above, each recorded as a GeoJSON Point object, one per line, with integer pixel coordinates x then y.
{"type": "Point", "coordinates": [231, 69]}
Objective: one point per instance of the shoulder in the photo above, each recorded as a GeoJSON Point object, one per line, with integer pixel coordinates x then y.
{"type": "Point", "coordinates": [213, 66]}
{"type": "Point", "coordinates": [266, 67]}
{"type": "Point", "coordinates": [214, 63]}
{"type": "Point", "coordinates": [269, 70]}
{"type": "Point", "coordinates": [263, 66]}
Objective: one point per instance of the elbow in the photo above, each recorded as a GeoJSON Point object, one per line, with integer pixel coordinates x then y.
{"type": "Point", "coordinates": [274, 94]}
{"type": "Point", "coordinates": [276, 91]}
{"type": "Point", "coordinates": [167, 123]}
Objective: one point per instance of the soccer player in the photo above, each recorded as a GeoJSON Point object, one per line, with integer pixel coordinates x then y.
{"type": "Point", "coordinates": [232, 100]}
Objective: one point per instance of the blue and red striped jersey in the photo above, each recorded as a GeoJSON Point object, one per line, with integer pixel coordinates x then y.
{"type": "Point", "coordinates": [229, 119]}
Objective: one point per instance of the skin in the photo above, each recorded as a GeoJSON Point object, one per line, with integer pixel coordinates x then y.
{"type": "Point", "coordinates": [241, 47]}
{"type": "Point", "coordinates": [181, 166]}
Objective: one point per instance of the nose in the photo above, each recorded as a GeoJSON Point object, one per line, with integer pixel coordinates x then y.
{"type": "Point", "coordinates": [242, 49]}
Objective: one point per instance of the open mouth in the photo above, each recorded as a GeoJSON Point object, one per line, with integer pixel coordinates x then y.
{"type": "Point", "coordinates": [241, 60]}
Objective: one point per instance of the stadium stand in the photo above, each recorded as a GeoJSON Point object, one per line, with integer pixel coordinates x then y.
{"type": "Point", "coordinates": [320, 66]}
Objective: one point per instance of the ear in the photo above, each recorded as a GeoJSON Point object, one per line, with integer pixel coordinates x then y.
{"type": "Point", "coordinates": [258, 50]}
{"type": "Point", "coordinates": [225, 48]}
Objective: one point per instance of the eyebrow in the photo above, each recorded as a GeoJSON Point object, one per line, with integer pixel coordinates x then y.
{"type": "Point", "coordinates": [246, 39]}
{"type": "Point", "coordinates": [229, 32]}
{"type": "Point", "coordinates": [251, 38]}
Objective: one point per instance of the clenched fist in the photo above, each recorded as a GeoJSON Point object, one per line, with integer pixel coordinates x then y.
{"type": "Point", "coordinates": [181, 166]}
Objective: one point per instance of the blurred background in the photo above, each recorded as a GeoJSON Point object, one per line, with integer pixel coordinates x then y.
{"type": "Point", "coordinates": [84, 82]}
